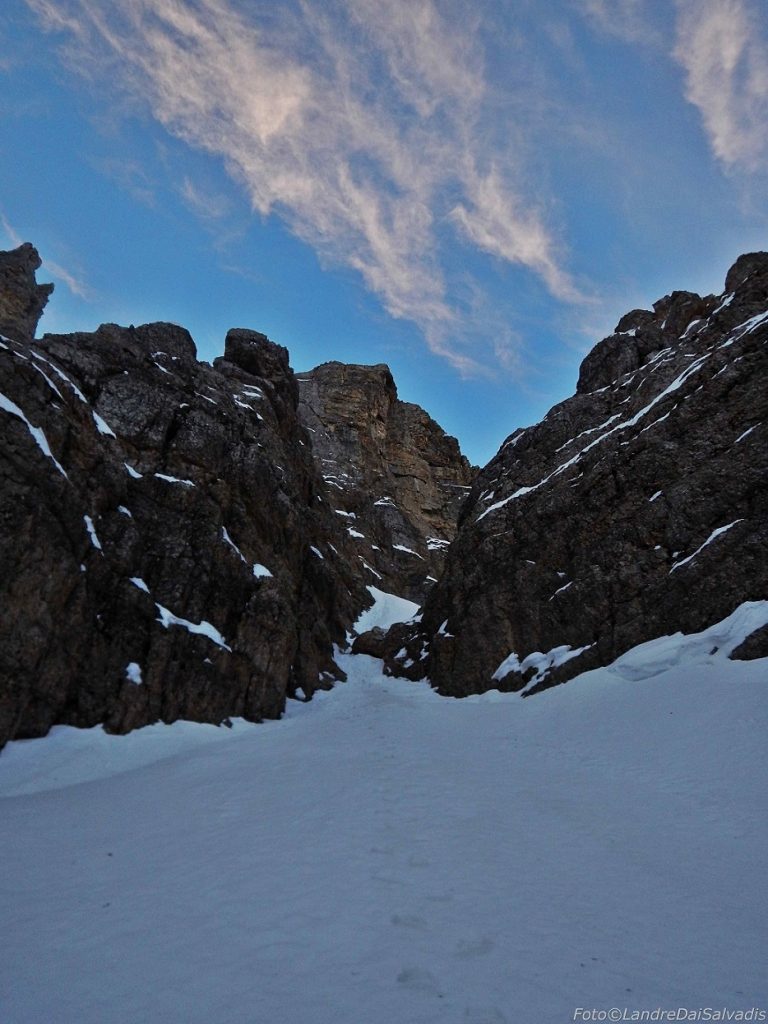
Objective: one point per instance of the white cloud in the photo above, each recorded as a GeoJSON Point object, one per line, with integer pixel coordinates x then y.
{"type": "Point", "coordinates": [360, 122]}
{"type": "Point", "coordinates": [207, 204]}
{"type": "Point", "coordinates": [496, 222]}
{"type": "Point", "coordinates": [627, 20]}
{"type": "Point", "coordinates": [10, 232]}
{"type": "Point", "coordinates": [723, 47]}
{"type": "Point", "coordinates": [76, 283]}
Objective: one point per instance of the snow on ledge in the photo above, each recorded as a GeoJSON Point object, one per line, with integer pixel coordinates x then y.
{"type": "Point", "coordinates": [542, 662]}
{"type": "Point", "coordinates": [679, 651]}
{"type": "Point", "coordinates": [133, 673]}
{"type": "Point", "coordinates": [715, 533]}
{"type": "Point", "coordinates": [37, 434]}
{"type": "Point", "coordinates": [719, 641]}
{"type": "Point", "coordinates": [203, 628]}
{"type": "Point", "coordinates": [174, 479]}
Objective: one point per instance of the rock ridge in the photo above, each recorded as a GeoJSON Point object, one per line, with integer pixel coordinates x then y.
{"type": "Point", "coordinates": [170, 548]}
{"type": "Point", "coordinates": [636, 508]}
{"type": "Point", "coordinates": [167, 547]}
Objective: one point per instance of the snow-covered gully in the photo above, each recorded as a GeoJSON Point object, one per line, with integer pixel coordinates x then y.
{"type": "Point", "coordinates": [384, 855]}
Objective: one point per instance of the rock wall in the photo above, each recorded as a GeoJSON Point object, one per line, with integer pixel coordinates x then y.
{"type": "Point", "coordinates": [22, 299]}
{"type": "Point", "coordinates": [637, 508]}
{"type": "Point", "coordinates": [166, 543]}
{"type": "Point", "coordinates": [395, 478]}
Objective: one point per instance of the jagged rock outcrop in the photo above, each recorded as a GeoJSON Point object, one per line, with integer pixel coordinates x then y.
{"type": "Point", "coordinates": [167, 548]}
{"type": "Point", "coordinates": [637, 508]}
{"type": "Point", "coordinates": [395, 478]}
{"type": "Point", "coordinates": [22, 299]}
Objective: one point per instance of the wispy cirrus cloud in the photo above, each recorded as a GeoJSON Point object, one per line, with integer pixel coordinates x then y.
{"type": "Point", "coordinates": [362, 123]}
{"type": "Point", "coordinates": [130, 176]}
{"type": "Point", "coordinates": [211, 206]}
{"type": "Point", "coordinates": [723, 47]}
{"type": "Point", "coordinates": [627, 20]}
{"type": "Point", "coordinates": [519, 238]}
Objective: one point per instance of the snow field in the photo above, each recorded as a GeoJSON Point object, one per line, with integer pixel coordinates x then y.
{"type": "Point", "coordinates": [387, 856]}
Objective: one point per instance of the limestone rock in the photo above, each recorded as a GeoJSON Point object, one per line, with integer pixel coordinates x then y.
{"type": "Point", "coordinates": [635, 509]}
{"type": "Point", "coordinates": [22, 300]}
{"type": "Point", "coordinates": [166, 541]}
{"type": "Point", "coordinates": [395, 478]}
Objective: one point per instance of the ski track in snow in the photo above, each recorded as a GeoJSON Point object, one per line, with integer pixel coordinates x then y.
{"type": "Point", "coordinates": [387, 856]}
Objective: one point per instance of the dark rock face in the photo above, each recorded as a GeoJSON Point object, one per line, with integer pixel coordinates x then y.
{"type": "Point", "coordinates": [166, 544]}
{"type": "Point", "coordinates": [637, 508]}
{"type": "Point", "coordinates": [395, 478]}
{"type": "Point", "coordinates": [22, 300]}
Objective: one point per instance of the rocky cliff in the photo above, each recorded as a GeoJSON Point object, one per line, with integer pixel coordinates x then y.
{"type": "Point", "coordinates": [180, 540]}
{"type": "Point", "coordinates": [166, 543]}
{"type": "Point", "coordinates": [396, 479]}
{"type": "Point", "coordinates": [637, 508]}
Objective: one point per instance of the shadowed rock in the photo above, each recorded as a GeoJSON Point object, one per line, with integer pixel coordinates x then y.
{"type": "Point", "coordinates": [167, 546]}
{"type": "Point", "coordinates": [22, 300]}
{"type": "Point", "coordinates": [635, 509]}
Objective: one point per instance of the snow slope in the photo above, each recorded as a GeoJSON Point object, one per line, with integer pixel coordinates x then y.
{"type": "Point", "coordinates": [387, 856]}
{"type": "Point", "coordinates": [386, 610]}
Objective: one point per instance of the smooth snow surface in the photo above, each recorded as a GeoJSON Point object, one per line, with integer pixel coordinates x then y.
{"type": "Point", "coordinates": [387, 609]}
{"type": "Point", "coordinates": [387, 856]}
{"type": "Point", "coordinates": [713, 644]}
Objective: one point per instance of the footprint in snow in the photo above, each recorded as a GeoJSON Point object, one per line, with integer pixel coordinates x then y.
{"type": "Point", "coordinates": [418, 862]}
{"type": "Point", "coordinates": [468, 948]}
{"type": "Point", "coordinates": [408, 921]}
{"type": "Point", "coordinates": [417, 980]}
{"type": "Point", "coordinates": [484, 1015]}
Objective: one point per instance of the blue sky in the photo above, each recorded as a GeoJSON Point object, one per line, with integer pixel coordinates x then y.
{"type": "Point", "coordinates": [473, 194]}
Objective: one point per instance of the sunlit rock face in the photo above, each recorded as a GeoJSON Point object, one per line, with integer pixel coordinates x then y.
{"type": "Point", "coordinates": [636, 508]}
{"type": "Point", "coordinates": [395, 478]}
